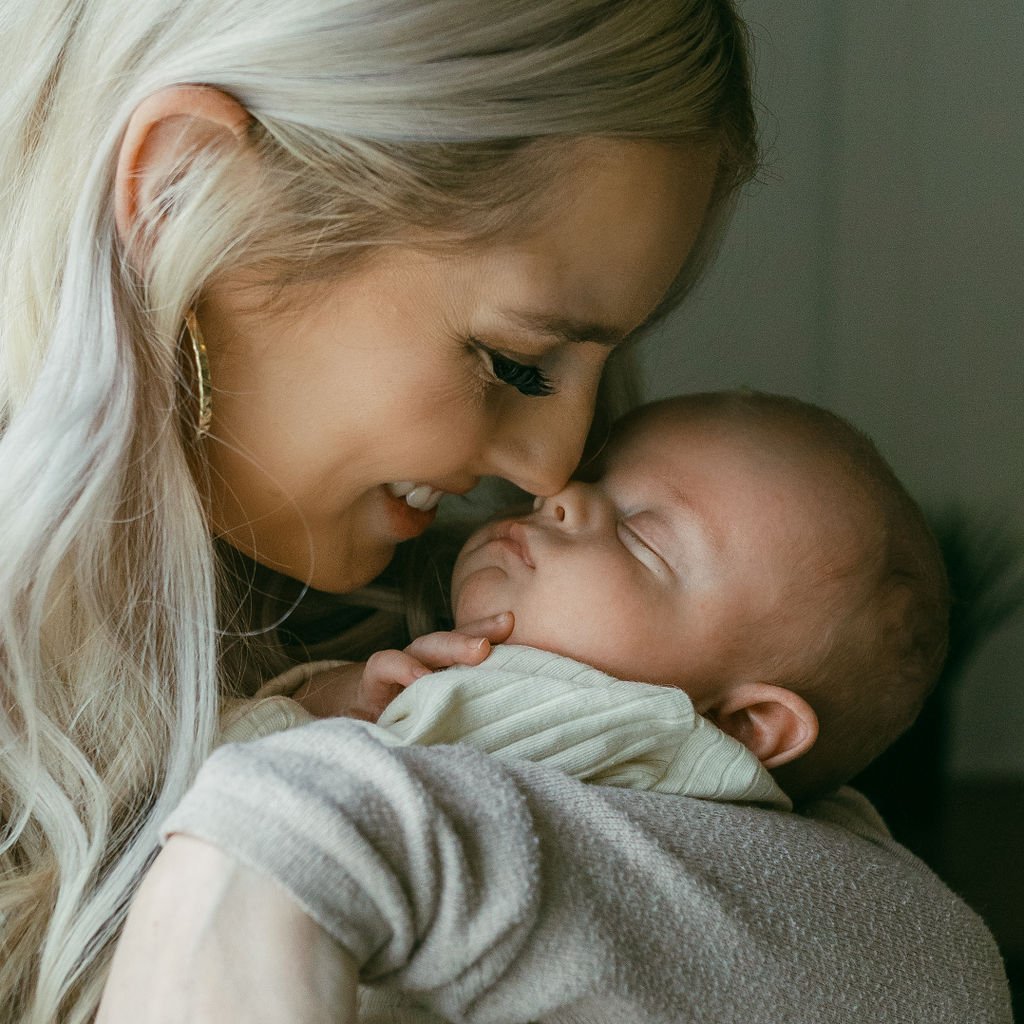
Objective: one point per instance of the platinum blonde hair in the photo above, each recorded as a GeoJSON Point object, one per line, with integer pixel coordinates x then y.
{"type": "Point", "coordinates": [368, 118]}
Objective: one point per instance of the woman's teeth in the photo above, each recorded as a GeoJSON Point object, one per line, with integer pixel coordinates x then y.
{"type": "Point", "coordinates": [421, 496]}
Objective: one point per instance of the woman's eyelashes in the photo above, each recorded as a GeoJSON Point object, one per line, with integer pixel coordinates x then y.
{"type": "Point", "coordinates": [526, 378]}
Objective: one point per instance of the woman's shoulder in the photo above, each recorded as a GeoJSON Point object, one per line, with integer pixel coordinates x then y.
{"type": "Point", "coordinates": [821, 908]}
{"type": "Point", "coordinates": [796, 913]}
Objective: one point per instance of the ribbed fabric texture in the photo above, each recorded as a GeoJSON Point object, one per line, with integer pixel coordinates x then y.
{"type": "Point", "coordinates": [531, 705]}
{"type": "Point", "coordinates": [523, 703]}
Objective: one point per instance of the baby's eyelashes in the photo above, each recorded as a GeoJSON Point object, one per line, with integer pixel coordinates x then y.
{"type": "Point", "coordinates": [641, 548]}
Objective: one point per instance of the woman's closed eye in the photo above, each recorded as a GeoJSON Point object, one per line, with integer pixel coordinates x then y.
{"type": "Point", "coordinates": [526, 378]}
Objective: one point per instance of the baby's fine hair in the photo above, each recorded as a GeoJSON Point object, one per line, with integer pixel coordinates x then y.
{"type": "Point", "coordinates": [878, 622]}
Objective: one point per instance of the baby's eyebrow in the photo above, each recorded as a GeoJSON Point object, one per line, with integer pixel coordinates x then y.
{"type": "Point", "coordinates": [679, 500]}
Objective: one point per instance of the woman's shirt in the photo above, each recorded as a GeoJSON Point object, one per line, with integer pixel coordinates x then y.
{"type": "Point", "coordinates": [496, 892]}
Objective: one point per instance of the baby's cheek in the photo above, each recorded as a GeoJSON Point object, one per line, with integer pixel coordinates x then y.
{"type": "Point", "coordinates": [479, 595]}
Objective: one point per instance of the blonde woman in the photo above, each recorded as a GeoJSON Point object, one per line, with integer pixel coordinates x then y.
{"type": "Point", "coordinates": [277, 277]}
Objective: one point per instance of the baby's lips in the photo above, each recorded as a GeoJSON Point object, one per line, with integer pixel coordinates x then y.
{"type": "Point", "coordinates": [517, 536]}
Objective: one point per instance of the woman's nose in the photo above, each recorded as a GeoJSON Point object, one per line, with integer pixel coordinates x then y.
{"type": "Point", "coordinates": [540, 441]}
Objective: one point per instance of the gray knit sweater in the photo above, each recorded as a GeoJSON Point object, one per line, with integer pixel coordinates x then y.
{"type": "Point", "coordinates": [507, 892]}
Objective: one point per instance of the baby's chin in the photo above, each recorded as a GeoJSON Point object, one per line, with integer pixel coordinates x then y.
{"type": "Point", "coordinates": [466, 610]}
{"type": "Point", "coordinates": [477, 594]}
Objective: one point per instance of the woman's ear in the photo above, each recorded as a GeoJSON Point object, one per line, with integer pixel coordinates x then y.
{"type": "Point", "coordinates": [775, 724]}
{"type": "Point", "coordinates": [165, 131]}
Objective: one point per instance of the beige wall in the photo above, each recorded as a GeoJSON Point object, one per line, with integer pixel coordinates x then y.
{"type": "Point", "coordinates": [878, 269]}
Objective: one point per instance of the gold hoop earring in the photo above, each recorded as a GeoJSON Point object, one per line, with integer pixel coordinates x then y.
{"type": "Point", "coordinates": [203, 391]}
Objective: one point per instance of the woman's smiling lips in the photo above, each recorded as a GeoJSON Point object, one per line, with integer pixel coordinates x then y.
{"type": "Point", "coordinates": [412, 506]}
{"type": "Point", "coordinates": [404, 520]}
{"type": "Point", "coordinates": [421, 496]}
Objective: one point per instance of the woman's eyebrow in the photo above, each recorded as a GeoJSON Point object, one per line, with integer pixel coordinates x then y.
{"type": "Point", "coordinates": [566, 328]}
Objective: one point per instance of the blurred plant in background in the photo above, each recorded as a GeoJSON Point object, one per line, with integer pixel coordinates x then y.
{"type": "Point", "coordinates": [984, 558]}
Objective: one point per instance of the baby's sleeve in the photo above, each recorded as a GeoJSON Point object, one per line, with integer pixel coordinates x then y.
{"type": "Point", "coordinates": [244, 721]}
{"type": "Point", "coordinates": [271, 709]}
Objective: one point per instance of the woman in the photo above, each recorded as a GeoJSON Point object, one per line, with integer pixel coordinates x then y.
{"type": "Point", "coordinates": [279, 276]}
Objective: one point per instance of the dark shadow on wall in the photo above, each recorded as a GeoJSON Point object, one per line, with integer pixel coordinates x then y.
{"type": "Point", "coordinates": [971, 833]}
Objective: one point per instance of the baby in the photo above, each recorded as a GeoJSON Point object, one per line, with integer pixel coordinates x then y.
{"type": "Point", "coordinates": [751, 559]}
{"type": "Point", "coordinates": [751, 556]}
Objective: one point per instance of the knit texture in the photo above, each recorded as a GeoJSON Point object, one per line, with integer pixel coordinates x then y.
{"type": "Point", "coordinates": [494, 892]}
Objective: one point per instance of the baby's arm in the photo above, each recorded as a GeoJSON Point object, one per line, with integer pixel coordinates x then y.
{"type": "Point", "coordinates": [364, 689]}
{"type": "Point", "coordinates": [333, 692]}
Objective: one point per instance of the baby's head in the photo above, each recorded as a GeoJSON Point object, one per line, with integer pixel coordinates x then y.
{"type": "Point", "coordinates": [755, 551]}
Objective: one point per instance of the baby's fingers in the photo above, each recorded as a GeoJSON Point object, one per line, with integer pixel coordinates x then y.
{"type": "Point", "coordinates": [392, 668]}
{"type": "Point", "coordinates": [495, 628]}
{"type": "Point", "coordinates": [387, 673]}
{"type": "Point", "coordinates": [440, 650]}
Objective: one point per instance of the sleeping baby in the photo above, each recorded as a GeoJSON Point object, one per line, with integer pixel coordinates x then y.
{"type": "Point", "coordinates": [741, 603]}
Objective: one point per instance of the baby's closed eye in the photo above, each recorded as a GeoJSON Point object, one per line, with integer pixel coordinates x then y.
{"type": "Point", "coordinates": [638, 541]}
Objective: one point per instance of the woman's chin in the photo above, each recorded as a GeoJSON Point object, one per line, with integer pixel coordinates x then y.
{"type": "Point", "coordinates": [333, 574]}
{"type": "Point", "coordinates": [345, 577]}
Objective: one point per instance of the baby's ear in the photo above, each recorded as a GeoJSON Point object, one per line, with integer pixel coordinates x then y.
{"type": "Point", "coordinates": [775, 724]}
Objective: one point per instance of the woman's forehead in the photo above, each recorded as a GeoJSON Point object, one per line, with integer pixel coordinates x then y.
{"type": "Point", "coordinates": [631, 214]}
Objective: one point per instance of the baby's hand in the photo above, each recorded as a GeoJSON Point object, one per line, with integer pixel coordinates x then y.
{"type": "Point", "coordinates": [389, 672]}
{"type": "Point", "coordinates": [364, 690]}
{"type": "Point", "coordinates": [332, 692]}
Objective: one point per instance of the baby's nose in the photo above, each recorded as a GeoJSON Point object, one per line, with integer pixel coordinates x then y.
{"type": "Point", "coordinates": [574, 506]}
